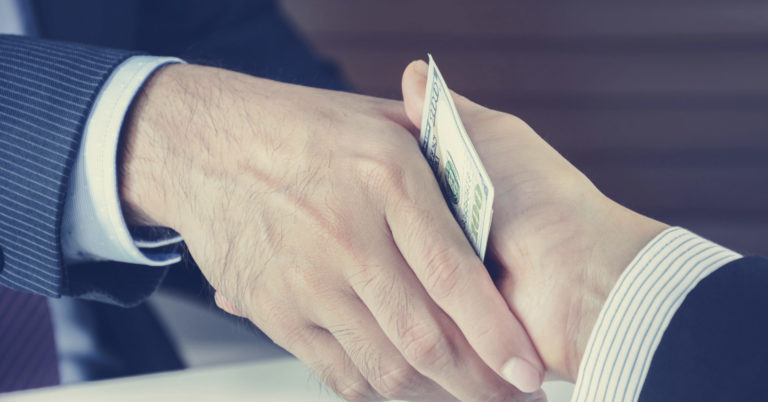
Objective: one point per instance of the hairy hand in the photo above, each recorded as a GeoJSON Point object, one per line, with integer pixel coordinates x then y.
{"type": "Point", "coordinates": [557, 243]}
{"type": "Point", "coordinates": [314, 215]}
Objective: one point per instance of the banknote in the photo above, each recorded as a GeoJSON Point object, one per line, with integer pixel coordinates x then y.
{"type": "Point", "coordinates": [465, 184]}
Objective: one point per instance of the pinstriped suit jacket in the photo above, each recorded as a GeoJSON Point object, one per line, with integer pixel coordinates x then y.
{"type": "Point", "coordinates": [47, 90]}
{"type": "Point", "coordinates": [46, 93]}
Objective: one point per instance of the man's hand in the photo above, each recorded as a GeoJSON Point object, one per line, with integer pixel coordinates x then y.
{"type": "Point", "coordinates": [559, 244]}
{"type": "Point", "coordinates": [313, 214]}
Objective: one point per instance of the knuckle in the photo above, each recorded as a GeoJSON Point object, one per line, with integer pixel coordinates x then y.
{"type": "Point", "coordinates": [441, 273]}
{"type": "Point", "coordinates": [373, 279]}
{"type": "Point", "coordinates": [362, 277]}
{"type": "Point", "coordinates": [290, 337]}
{"type": "Point", "coordinates": [424, 347]}
{"type": "Point", "coordinates": [383, 169]}
{"type": "Point", "coordinates": [308, 285]}
{"type": "Point", "coordinates": [275, 316]}
{"type": "Point", "coordinates": [396, 383]}
{"type": "Point", "coordinates": [386, 174]}
{"type": "Point", "coordinates": [300, 277]}
{"type": "Point", "coordinates": [355, 391]}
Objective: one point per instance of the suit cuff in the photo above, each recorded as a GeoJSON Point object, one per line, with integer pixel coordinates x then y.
{"type": "Point", "coordinates": [93, 227]}
{"type": "Point", "coordinates": [638, 311]}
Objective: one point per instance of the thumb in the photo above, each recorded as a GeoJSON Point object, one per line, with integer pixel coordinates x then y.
{"type": "Point", "coordinates": [414, 86]}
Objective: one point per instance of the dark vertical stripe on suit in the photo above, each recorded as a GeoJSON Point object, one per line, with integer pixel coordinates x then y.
{"type": "Point", "coordinates": [47, 90]}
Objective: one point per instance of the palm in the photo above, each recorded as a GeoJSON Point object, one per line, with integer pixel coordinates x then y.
{"type": "Point", "coordinates": [537, 250]}
{"type": "Point", "coordinates": [537, 247]}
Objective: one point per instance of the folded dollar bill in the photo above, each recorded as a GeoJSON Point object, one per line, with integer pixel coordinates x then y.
{"type": "Point", "coordinates": [466, 186]}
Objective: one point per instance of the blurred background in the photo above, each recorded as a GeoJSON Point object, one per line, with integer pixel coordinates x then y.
{"type": "Point", "coordinates": [664, 105]}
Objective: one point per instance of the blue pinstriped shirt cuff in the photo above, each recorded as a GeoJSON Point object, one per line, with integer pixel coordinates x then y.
{"type": "Point", "coordinates": [638, 311]}
{"type": "Point", "coordinates": [93, 228]}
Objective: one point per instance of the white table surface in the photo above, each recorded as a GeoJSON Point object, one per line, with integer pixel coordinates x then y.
{"type": "Point", "coordinates": [282, 379]}
{"type": "Point", "coordinates": [227, 360]}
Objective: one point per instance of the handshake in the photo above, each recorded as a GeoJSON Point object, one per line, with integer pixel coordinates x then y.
{"type": "Point", "coordinates": [315, 215]}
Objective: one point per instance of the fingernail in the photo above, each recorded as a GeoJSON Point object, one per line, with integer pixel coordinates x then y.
{"type": "Point", "coordinates": [421, 67]}
{"type": "Point", "coordinates": [521, 374]}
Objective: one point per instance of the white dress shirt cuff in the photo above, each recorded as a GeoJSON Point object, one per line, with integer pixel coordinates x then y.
{"type": "Point", "coordinates": [93, 227]}
{"type": "Point", "coordinates": [638, 311]}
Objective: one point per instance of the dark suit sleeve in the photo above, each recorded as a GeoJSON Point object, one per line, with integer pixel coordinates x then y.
{"type": "Point", "coordinates": [54, 84]}
{"type": "Point", "coordinates": [716, 346]}
{"type": "Point", "coordinates": [250, 36]}
{"type": "Point", "coordinates": [47, 90]}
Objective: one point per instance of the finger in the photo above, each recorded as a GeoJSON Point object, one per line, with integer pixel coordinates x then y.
{"type": "Point", "coordinates": [445, 263]}
{"type": "Point", "coordinates": [353, 326]}
{"type": "Point", "coordinates": [414, 85]}
{"type": "Point", "coordinates": [223, 303]}
{"type": "Point", "coordinates": [281, 321]}
{"type": "Point", "coordinates": [437, 250]}
{"type": "Point", "coordinates": [422, 333]}
{"type": "Point", "coordinates": [328, 360]}
{"type": "Point", "coordinates": [320, 351]}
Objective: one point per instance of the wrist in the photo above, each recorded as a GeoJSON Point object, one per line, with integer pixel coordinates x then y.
{"type": "Point", "coordinates": [193, 131]}
{"type": "Point", "coordinates": [148, 161]}
{"type": "Point", "coordinates": [623, 234]}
